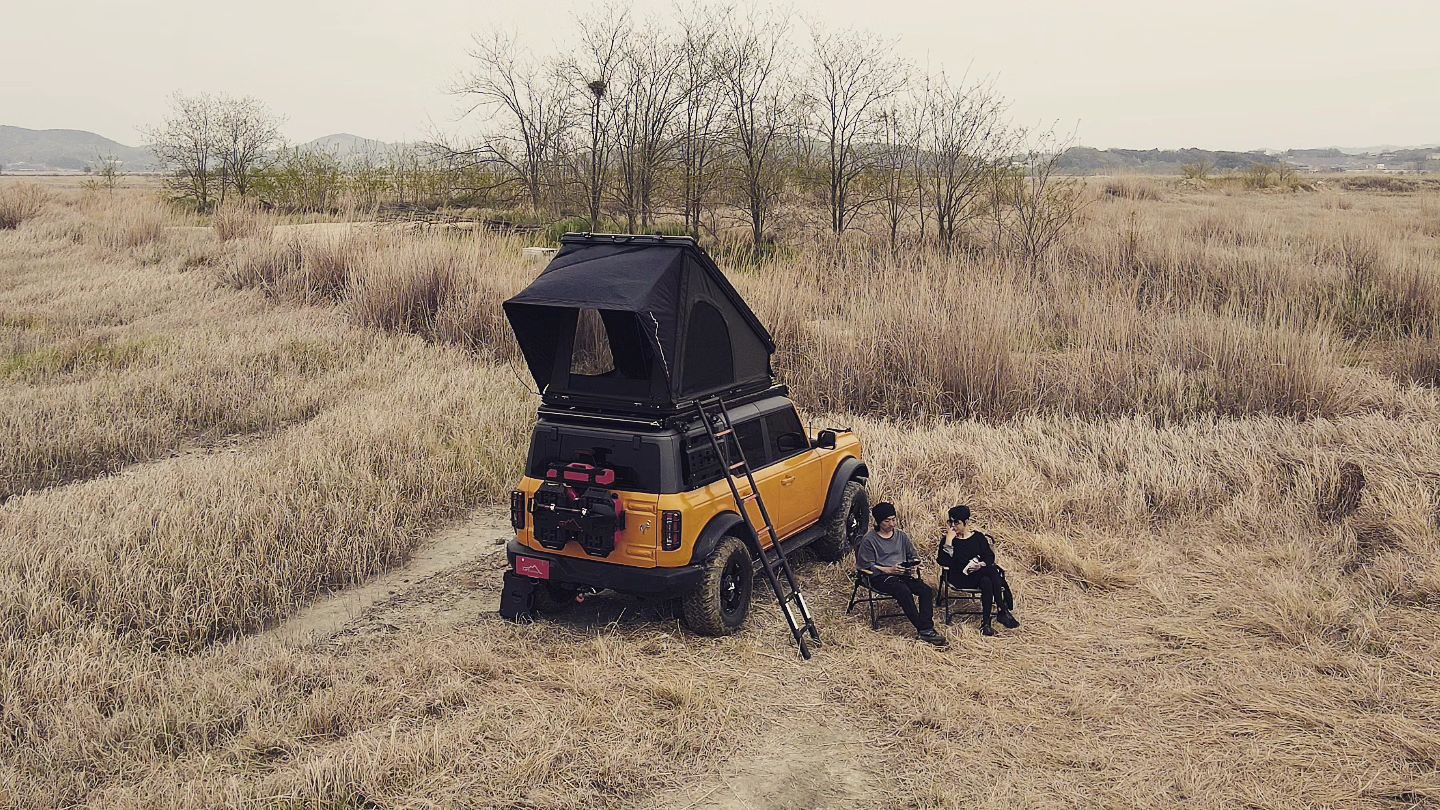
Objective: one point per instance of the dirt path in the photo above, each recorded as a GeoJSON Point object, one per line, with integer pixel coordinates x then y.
{"type": "Point", "coordinates": [441, 583]}
{"type": "Point", "coordinates": [805, 762]}
{"type": "Point", "coordinates": [804, 759]}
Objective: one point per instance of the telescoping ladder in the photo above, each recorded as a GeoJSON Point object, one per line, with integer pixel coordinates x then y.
{"type": "Point", "coordinates": [772, 558]}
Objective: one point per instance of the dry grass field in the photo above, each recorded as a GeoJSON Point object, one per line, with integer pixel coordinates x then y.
{"type": "Point", "coordinates": [1206, 436]}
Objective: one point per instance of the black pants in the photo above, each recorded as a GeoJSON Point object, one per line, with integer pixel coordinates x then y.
{"type": "Point", "coordinates": [906, 591]}
{"type": "Point", "coordinates": [987, 581]}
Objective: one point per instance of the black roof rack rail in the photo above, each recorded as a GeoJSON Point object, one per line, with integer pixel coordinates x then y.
{"type": "Point", "coordinates": [621, 238]}
{"type": "Point", "coordinates": [684, 414]}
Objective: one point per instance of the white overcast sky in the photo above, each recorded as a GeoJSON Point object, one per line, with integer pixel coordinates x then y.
{"type": "Point", "coordinates": [1220, 74]}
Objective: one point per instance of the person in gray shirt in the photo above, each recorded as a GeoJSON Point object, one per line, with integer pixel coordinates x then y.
{"type": "Point", "coordinates": [888, 558]}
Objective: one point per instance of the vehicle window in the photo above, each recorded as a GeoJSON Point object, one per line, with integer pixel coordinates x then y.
{"type": "Point", "coordinates": [636, 468]}
{"type": "Point", "coordinates": [752, 441]}
{"type": "Point", "coordinates": [787, 436]}
{"type": "Point", "coordinates": [702, 467]}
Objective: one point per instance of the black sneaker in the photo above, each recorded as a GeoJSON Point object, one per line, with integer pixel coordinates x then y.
{"type": "Point", "coordinates": [932, 637]}
{"type": "Point", "coordinates": [987, 630]}
{"type": "Point", "coordinates": [1008, 619]}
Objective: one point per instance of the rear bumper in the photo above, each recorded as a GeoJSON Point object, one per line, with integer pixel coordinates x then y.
{"type": "Point", "coordinates": [663, 582]}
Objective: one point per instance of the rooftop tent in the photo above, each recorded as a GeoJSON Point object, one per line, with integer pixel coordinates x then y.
{"type": "Point", "coordinates": [674, 327]}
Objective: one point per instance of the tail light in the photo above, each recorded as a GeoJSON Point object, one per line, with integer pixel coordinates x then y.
{"type": "Point", "coordinates": [517, 510]}
{"type": "Point", "coordinates": [669, 530]}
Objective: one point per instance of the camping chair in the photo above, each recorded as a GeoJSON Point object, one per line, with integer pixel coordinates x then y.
{"type": "Point", "coordinates": [948, 595]}
{"type": "Point", "coordinates": [871, 598]}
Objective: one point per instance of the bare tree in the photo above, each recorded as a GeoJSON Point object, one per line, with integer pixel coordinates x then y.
{"type": "Point", "coordinates": [655, 93]}
{"type": "Point", "coordinates": [1043, 203]}
{"type": "Point", "coordinates": [896, 154]}
{"type": "Point", "coordinates": [185, 143]}
{"type": "Point", "coordinates": [701, 108]}
{"type": "Point", "coordinates": [594, 75]}
{"type": "Point", "coordinates": [531, 103]}
{"type": "Point", "coordinates": [852, 76]}
{"type": "Point", "coordinates": [246, 134]}
{"type": "Point", "coordinates": [762, 109]}
{"type": "Point", "coordinates": [107, 168]}
{"type": "Point", "coordinates": [966, 135]}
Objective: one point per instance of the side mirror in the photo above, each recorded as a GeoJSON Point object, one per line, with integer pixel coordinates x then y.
{"type": "Point", "coordinates": [825, 439]}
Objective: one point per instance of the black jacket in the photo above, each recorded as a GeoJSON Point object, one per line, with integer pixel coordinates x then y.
{"type": "Point", "coordinates": [966, 549]}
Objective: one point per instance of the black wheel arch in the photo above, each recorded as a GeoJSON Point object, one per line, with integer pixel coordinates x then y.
{"type": "Point", "coordinates": [851, 469]}
{"type": "Point", "coordinates": [725, 523]}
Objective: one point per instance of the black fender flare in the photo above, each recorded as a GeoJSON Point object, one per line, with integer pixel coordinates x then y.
{"type": "Point", "coordinates": [719, 526]}
{"type": "Point", "coordinates": [851, 469]}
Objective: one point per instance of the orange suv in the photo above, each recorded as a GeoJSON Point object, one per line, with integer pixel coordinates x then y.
{"type": "Point", "coordinates": [626, 487]}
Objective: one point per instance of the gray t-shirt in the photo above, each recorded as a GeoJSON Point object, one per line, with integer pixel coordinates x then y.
{"type": "Point", "coordinates": [875, 550]}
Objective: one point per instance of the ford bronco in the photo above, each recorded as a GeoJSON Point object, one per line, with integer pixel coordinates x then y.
{"type": "Point", "coordinates": [625, 485]}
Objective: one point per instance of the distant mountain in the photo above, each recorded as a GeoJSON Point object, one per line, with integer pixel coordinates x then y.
{"type": "Point", "coordinates": [24, 149]}
{"type": "Point", "coordinates": [344, 145]}
{"type": "Point", "coordinates": [1085, 160]}
{"type": "Point", "coordinates": [1376, 150]}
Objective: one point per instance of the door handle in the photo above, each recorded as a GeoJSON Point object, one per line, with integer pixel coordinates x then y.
{"type": "Point", "coordinates": [787, 480]}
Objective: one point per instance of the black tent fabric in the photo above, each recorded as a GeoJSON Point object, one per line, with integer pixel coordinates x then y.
{"type": "Point", "coordinates": [675, 327]}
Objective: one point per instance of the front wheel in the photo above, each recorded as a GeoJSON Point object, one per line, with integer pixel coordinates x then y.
{"type": "Point", "coordinates": [719, 605]}
{"type": "Point", "coordinates": [848, 526]}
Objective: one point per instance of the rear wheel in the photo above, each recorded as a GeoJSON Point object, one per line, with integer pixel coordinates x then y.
{"type": "Point", "coordinates": [719, 605]}
{"type": "Point", "coordinates": [847, 526]}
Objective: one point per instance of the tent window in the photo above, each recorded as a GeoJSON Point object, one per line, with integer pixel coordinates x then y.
{"type": "Point", "coordinates": [591, 354]}
{"type": "Point", "coordinates": [709, 360]}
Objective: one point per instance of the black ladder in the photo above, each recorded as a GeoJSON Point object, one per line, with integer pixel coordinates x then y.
{"type": "Point", "coordinates": [777, 567]}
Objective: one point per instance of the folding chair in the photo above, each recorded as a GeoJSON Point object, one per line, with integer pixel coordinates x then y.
{"type": "Point", "coordinates": [948, 595]}
{"type": "Point", "coordinates": [870, 599]}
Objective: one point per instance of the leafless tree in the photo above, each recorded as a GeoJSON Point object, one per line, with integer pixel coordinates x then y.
{"type": "Point", "coordinates": [594, 75]}
{"type": "Point", "coordinates": [852, 77]}
{"type": "Point", "coordinates": [898, 143]}
{"type": "Point", "coordinates": [700, 115]}
{"type": "Point", "coordinates": [532, 104]}
{"type": "Point", "coordinates": [762, 108]}
{"type": "Point", "coordinates": [107, 168]}
{"type": "Point", "coordinates": [965, 136]}
{"type": "Point", "coordinates": [185, 143]}
{"type": "Point", "coordinates": [1043, 204]}
{"type": "Point", "coordinates": [246, 134]}
{"type": "Point", "coordinates": [655, 90]}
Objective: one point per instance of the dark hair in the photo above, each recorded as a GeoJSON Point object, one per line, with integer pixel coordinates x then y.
{"type": "Point", "coordinates": [959, 514]}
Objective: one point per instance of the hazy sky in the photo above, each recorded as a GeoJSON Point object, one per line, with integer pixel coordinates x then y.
{"type": "Point", "coordinates": [1221, 74]}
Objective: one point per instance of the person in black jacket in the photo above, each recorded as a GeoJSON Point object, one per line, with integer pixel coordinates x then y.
{"type": "Point", "coordinates": [969, 560]}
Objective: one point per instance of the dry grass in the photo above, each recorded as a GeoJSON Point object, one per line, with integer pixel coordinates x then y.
{"type": "Point", "coordinates": [1208, 442]}
{"type": "Point", "coordinates": [240, 220]}
{"type": "Point", "coordinates": [1135, 188]}
{"type": "Point", "coordinates": [19, 203]}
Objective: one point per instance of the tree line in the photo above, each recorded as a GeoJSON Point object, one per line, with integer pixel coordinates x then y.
{"type": "Point", "coordinates": [705, 118]}
{"type": "Point", "coordinates": [715, 111]}
{"type": "Point", "coordinates": [217, 146]}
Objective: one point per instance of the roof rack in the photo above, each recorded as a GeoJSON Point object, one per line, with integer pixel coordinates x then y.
{"type": "Point", "coordinates": [682, 415]}
{"type": "Point", "coordinates": [622, 238]}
